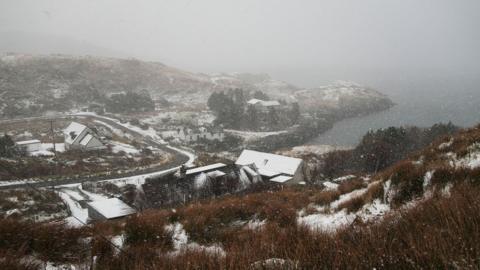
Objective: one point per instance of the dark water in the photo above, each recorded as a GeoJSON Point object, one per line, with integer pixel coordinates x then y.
{"type": "Point", "coordinates": [420, 102]}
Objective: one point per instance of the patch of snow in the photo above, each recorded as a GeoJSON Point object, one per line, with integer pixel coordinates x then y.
{"type": "Point", "coordinates": [180, 242]}
{"type": "Point", "coordinates": [251, 135]}
{"type": "Point", "coordinates": [446, 190]}
{"type": "Point", "coordinates": [179, 235]}
{"type": "Point", "coordinates": [330, 186]}
{"type": "Point", "coordinates": [327, 222]}
{"type": "Point", "coordinates": [472, 159]}
{"type": "Point", "coordinates": [445, 145]}
{"type": "Point", "coordinates": [255, 224]}
{"type": "Point", "coordinates": [127, 148]}
{"type": "Point", "coordinates": [46, 149]}
{"type": "Point", "coordinates": [15, 182]}
{"type": "Point", "coordinates": [118, 241]}
{"type": "Point", "coordinates": [116, 131]}
{"type": "Point", "coordinates": [427, 179]}
{"type": "Point", "coordinates": [343, 178]}
{"type": "Point", "coordinates": [348, 196]}
{"type": "Point", "coordinates": [374, 210]}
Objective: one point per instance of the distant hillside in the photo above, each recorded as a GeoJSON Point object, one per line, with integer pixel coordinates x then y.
{"type": "Point", "coordinates": [61, 82]}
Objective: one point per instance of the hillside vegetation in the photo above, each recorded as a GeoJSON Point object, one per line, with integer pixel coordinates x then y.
{"type": "Point", "coordinates": [420, 213]}
{"type": "Point", "coordinates": [34, 84]}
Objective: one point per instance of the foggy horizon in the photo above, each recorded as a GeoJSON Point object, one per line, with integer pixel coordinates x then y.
{"type": "Point", "coordinates": [341, 38]}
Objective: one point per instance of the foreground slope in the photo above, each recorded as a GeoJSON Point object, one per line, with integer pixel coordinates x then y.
{"type": "Point", "coordinates": [419, 213]}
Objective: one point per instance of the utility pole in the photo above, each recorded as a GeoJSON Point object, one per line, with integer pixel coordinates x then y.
{"type": "Point", "coordinates": [53, 137]}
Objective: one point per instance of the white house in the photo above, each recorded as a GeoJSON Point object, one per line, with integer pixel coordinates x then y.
{"type": "Point", "coordinates": [29, 146]}
{"type": "Point", "coordinates": [78, 136]}
{"type": "Point", "coordinates": [107, 209]}
{"type": "Point", "coordinates": [263, 105]}
{"type": "Point", "coordinates": [275, 168]}
{"type": "Point", "coordinates": [193, 135]}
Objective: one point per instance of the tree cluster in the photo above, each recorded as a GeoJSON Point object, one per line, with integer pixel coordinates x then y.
{"type": "Point", "coordinates": [382, 148]}
{"type": "Point", "coordinates": [130, 102]}
{"type": "Point", "coordinates": [7, 147]}
{"type": "Point", "coordinates": [232, 111]}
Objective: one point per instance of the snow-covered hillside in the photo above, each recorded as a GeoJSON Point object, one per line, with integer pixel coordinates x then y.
{"type": "Point", "coordinates": [342, 95]}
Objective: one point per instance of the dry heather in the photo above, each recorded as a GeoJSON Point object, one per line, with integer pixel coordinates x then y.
{"type": "Point", "coordinates": [438, 231]}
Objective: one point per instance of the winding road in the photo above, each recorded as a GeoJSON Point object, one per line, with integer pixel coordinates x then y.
{"type": "Point", "coordinates": [180, 157]}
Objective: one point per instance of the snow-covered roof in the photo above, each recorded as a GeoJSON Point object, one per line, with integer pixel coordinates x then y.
{"type": "Point", "coordinates": [267, 173]}
{"type": "Point", "coordinates": [112, 208]}
{"type": "Point", "coordinates": [281, 179]}
{"type": "Point", "coordinates": [86, 139]}
{"type": "Point", "coordinates": [270, 164]}
{"type": "Point", "coordinates": [254, 101]}
{"type": "Point", "coordinates": [206, 168]}
{"type": "Point", "coordinates": [74, 128]}
{"type": "Point", "coordinates": [216, 173]}
{"type": "Point", "coordinates": [271, 103]}
{"type": "Point", "coordinates": [263, 102]}
{"type": "Point", "coordinates": [28, 142]}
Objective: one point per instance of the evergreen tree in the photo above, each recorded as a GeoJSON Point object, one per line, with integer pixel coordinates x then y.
{"type": "Point", "coordinates": [7, 146]}
{"type": "Point", "coordinates": [295, 113]}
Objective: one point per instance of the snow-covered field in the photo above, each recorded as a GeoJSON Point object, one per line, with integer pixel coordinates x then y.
{"type": "Point", "coordinates": [251, 135]}
{"type": "Point", "coordinates": [118, 147]}
{"type": "Point", "coordinates": [46, 149]}
{"type": "Point", "coordinates": [331, 218]}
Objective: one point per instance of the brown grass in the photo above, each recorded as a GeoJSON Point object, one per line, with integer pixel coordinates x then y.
{"type": "Point", "coordinates": [441, 233]}
{"type": "Point", "coordinates": [325, 197]}
{"type": "Point", "coordinates": [351, 185]}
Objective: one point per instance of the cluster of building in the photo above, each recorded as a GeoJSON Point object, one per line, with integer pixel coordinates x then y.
{"type": "Point", "coordinates": [263, 105]}
{"type": "Point", "coordinates": [189, 135]}
{"type": "Point", "coordinates": [76, 136]}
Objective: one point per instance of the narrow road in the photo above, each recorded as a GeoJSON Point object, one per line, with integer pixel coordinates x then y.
{"type": "Point", "coordinates": [180, 157]}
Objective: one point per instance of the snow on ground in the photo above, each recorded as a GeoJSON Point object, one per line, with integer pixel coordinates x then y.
{"type": "Point", "coordinates": [118, 241]}
{"type": "Point", "coordinates": [251, 135]}
{"type": "Point", "coordinates": [127, 148]}
{"type": "Point", "coordinates": [116, 131]}
{"type": "Point", "coordinates": [15, 182]}
{"type": "Point", "coordinates": [348, 196]}
{"type": "Point", "coordinates": [46, 149]}
{"type": "Point", "coordinates": [445, 144]}
{"type": "Point", "coordinates": [337, 218]}
{"type": "Point", "coordinates": [255, 224]}
{"type": "Point", "coordinates": [327, 222]}
{"type": "Point", "coordinates": [149, 133]}
{"type": "Point", "coordinates": [427, 179]}
{"type": "Point", "coordinates": [314, 149]}
{"type": "Point", "coordinates": [180, 242]}
{"type": "Point", "coordinates": [330, 186]}
{"type": "Point", "coordinates": [343, 178]}
{"type": "Point", "coordinates": [472, 159]}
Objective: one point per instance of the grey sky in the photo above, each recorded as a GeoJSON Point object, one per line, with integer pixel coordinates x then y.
{"type": "Point", "coordinates": [263, 35]}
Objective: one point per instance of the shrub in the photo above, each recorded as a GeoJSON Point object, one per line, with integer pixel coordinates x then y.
{"type": "Point", "coordinates": [149, 229]}
{"type": "Point", "coordinates": [325, 197]}
{"type": "Point", "coordinates": [351, 185]}
{"type": "Point", "coordinates": [352, 205]}
{"type": "Point", "coordinates": [408, 180]}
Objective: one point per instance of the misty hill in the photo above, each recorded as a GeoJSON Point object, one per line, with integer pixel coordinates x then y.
{"type": "Point", "coordinates": [69, 81]}
{"type": "Point", "coordinates": [37, 43]}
